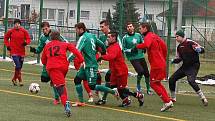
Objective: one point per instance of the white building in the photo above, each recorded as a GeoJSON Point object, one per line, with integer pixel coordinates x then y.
{"type": "Point", "coordinates": [64, 12]}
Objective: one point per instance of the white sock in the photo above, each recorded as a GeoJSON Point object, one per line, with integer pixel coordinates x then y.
{"type": "Point", "coordinates": [201, 95]}
{"type": "Point", "coordinates": [173, 94]}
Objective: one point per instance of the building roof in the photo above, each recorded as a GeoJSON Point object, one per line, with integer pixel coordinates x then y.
{"type": "Point", "coordinates": [193, 8]}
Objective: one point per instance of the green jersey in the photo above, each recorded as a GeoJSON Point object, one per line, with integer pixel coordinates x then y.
{"type": "Point", "coordinates": [129, 42]}
{"type": "Point", "coordinates": [44, 39]}
{"type": "Point", "coordinates": [87, 45]}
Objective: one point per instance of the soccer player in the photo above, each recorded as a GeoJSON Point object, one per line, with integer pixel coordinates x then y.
{"type": "Point", "coordinates": [54, 57]}
{"type": "Point", "coordinates": [87, 44]}
{"type": "Point", "coordinates": [119, 72]}
{"type": "Point", "coordinates": [157, 52]}
{"type": "Point", "coordinates": [136, 58]}
{"type": "Point", "coordinates": [44, 39]}
{"type": "Point", "coordinates": [188, 52]}
{"type": "Point", "coordinates": [16, 39]}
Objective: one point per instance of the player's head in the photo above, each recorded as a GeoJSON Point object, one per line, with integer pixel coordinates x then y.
{"type": "Point", "coordinates": [55, 35]}
{"type": "Point", "coordinates": [112, 37]}
{"type": "Point", "coordinates": [179, 36]}
{"type": "Point", "coordinates": [104, 26]}
{"type": "Point", "coordinates": [17, 23]}
{"type": "Point", "coordinates": [45, 28]}
{"type": "Point", "coordinates": [144, 28]}
{"type": "Point", "coordinates": [130, 28]}
{"type": "Point", "coordinates": [80, 28]}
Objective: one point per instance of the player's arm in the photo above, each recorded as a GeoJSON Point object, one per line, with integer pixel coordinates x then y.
{"type": "Point", "coordinates": [6, 38]}
{"type": "Point", "coordinates": [44, 57]}
{"type": "Point", "coordinates": [100, 44]}
{"type": "Point", "coordinates": [27, 37]}
{"type": "Point", "coordinates": [110, 55]}
{"type": "Point", "coordinates": [196, 47]}
{"type": "Point", "coordinates": [177, 59]}
{"type": "Point", "coordinates": [75, 52]}
{"type": "Point", "coordinates": [145, 44]}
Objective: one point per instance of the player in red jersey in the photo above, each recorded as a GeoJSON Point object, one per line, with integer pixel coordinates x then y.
{"type": "Point", "coordinates": [55, 58]}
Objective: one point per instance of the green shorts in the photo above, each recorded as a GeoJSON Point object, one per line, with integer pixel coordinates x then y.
{"type": "Point", "coordinates": [89, 74]}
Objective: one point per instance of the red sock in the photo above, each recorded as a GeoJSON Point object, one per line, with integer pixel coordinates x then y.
{"type": "Point", "coordinates": [15, 75]}
{"type": "Point", "coordinates": [160, 90]}
{"type": "Point", "coordinates": [87, 88]}
{"type": "Point", "coordinates": [64, 97]}
{"type": "Point", "coordinates": [19, 75]}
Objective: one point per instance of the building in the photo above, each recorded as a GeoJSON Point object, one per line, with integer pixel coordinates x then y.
{"type": "Point", "coordinates": [64, 12]}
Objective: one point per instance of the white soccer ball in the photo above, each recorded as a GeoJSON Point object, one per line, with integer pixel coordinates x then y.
{"type": "Point", "coordinates": [34, 88]}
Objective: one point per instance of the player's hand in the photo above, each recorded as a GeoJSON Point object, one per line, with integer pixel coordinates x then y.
{"type": "Point", "coordinates": [32, 49]}
{"type": "Point", "coordinates": [8, 48]}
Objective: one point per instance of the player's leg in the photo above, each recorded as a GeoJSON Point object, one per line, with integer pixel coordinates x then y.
{"type": "Point", "coordinates": [191, 74]}
{"type": "Point", "coordinates": [89, 92]}
{"type": "Point", "coordinates": [78, 86]}
{"type": "Point", "coordinates": [146, 75]}
{"type": "Point", "coordinates": [16, 63]}
{"type": "Point", "coordinates": [172, 82]}
{"type": "Point", "coordinates": [45, 78]}
{"type": "Point", "coordinates": [21, 60]}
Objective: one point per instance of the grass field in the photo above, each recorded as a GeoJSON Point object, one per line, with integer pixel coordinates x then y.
{"type": "Point", "coordinates": [18, 104]}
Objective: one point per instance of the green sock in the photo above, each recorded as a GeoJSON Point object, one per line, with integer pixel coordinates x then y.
{"type": "Point", "coordinates": [147, 84]}
{"type": "Point", "coordinates": [56, 95]}
{"type": "Point", "coordinates": [138, 82]}
{"type": "Point", "coordinates": [79, 90]}
{"type": "Point", "coordinates": [103, 88]}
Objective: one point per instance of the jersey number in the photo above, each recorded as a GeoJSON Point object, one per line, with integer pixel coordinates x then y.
{"type": "Point", "coordinates": [54, 51]}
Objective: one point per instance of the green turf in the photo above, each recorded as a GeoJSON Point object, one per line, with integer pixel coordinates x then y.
{"type": "Point", "coordinates": [21, 107]}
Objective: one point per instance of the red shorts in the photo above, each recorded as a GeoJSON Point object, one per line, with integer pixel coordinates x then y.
{"type": "Point", "coordinates": [119, 81]}
{"type": "Point", "coordinates": [58, 76]}
{"type": "Point", "coordinates": [158, 74]}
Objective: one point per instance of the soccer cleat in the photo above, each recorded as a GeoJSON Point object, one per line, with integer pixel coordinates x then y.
{"type": "Point", "coordinates": [21, 84]}
{"type": "Point", "coordinates": [173, 100]}
{"type": "Point", "coordinates": [67, 109]}
{"type": "Point", "coordinates": [149, 92]}
{"type": "Point", "coordinates": [78, 104]}
{"type": "Point", "coordinates": [140, 98]}
{"type": "Point", "coordinates": [14, 82]}
{"type": "Point", "coordinates": [56, 101]}
{"type": "Point", "coordinates": [204, 101]}
{"type": "Point", "coordinates": [116, 94]}
{"type": "Point", "coordinates": [100, 102]}
{"type": "Point", "coordinates": [167, 106]}
{"type": "Point", "coordinates": [90, 100]}
{"type": "Point", "coordinates": [126, 102]}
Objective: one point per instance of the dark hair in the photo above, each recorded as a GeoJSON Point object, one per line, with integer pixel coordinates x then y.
{"type": "Point", "coordinates": [114, 34]}
{"type": "Point", "coordinates": [147, 25]}
{"type": "Point", "coordinates": [128, 23]}
{"type": "Point", "coordinates": [45, 23]}
{"type": "Point", "coordinates": [17, 21]}
{"type": "Point", "coordinates": [104, 22]}
{"type": "Point", "coordinates": [80, 25]}
{"type": "Point", "coordinates": [55, 35]}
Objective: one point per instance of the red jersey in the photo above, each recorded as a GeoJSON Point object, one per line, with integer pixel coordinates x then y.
{"type": "Point", "coordinates": [55, 56]}
{"type": "Point", "coordinates": [156, 49]}
{"type": "Point", "coordinates": [14, 39]}
{"type": "Point", "coordinates": [116, 60]}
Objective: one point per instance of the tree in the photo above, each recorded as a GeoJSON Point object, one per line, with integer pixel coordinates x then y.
{"type": "Point", "coordinates": [129, 12]}
{"type": "Point", "coordinates": [109, 19]}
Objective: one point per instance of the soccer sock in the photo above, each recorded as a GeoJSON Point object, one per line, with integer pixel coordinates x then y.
{"type": "Point", "coordinates": [147, 84]}
{"type": "Point", "coordinates": [79, 90]}
{"type": "Point", "coordinates": [138, 82]}
{"type": "Point", "coordinates": [19, 75]}
{"type": "Point", "coordinates": [105, 94]}
{"type": "Point", "coordinates": [103, 88]}
{"type": "Point", "coordinates": [56, 95]}
{"type": "Point", "coordinates": [87, 88]}
{"type": "Point", "coordinates": [200, 93]}
{"type": "Point", "coordinates": [128, 92]}
{"type": "Point", "coordinates": [161, 91]}
{"type": "Point", "coordinates": [173, 94]}
{"type": "Point", "coordinates": [15, 74]}
{"type": "Point", "coordinates": [62, 91]}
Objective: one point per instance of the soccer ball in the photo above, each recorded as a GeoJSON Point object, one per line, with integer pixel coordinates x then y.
{"type": "Point", "coordinates": [34, 88]}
